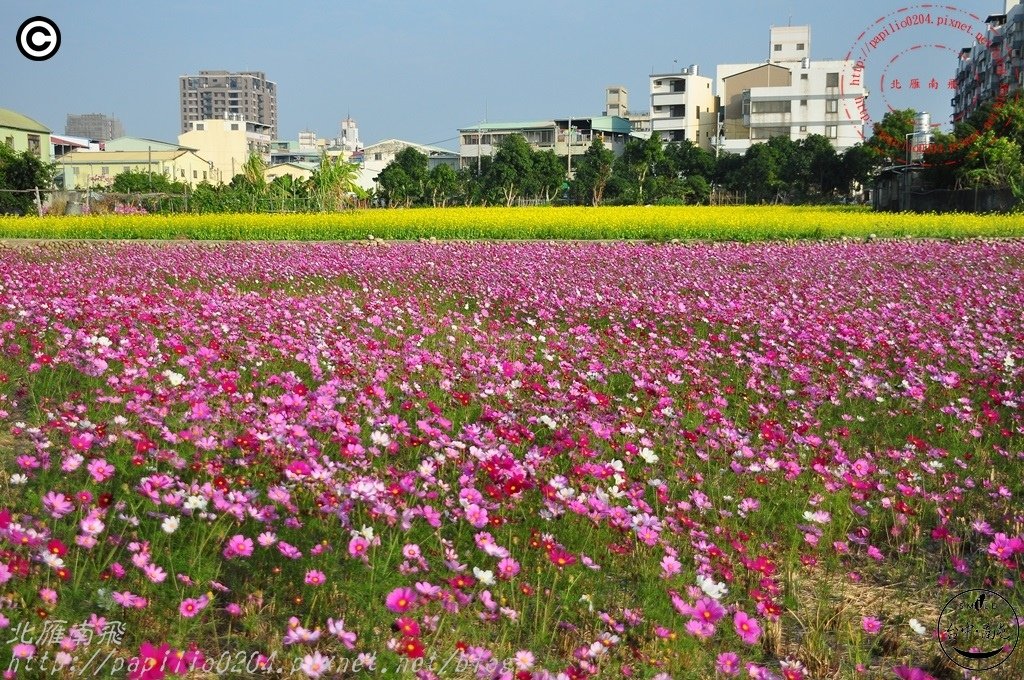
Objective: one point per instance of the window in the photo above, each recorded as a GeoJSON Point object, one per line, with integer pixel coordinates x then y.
{"type": "Point", "coordinates": [234, 126]}
{"type": "Point", "coordinates": [200, 126]}
{"type": "Point", "coordinates": [778, 47]}
{"type": "Point", "coordinates": [105, 170]}
{"type": "Point", "coordinates": [803, 128]}
{"type": "Point", "coordinates": [74, 170]}
{"type": "Point", "coordinates": [195, 174]}
{"type": "Point", "coordinates": [679, 86]}
{"type": "Point", "coordinates": [204, 175]}
{"type": "Point", "coordinates": [378, 156]}
{"type": "Point", "coordinates": [800, 46]}
{"type": "Point", "coordinates": [33, 145]}
{"type": "Point", "coordinates": [803, 76]}
{"type": "Point", "coordinates": [125, 168]}
{"type": "Point", "coordinates": [831, 80]}
{"type": "Point", "coordinates": [803, 102]}
{"type": "Point", "coordinates": [831, 131]}
{"type": "Point", "coordinates": [784, 106]}
{"type": "Point", "coordinates": [9, 142]}
{"type": "Point", "coordinates": [831, 106]}
{"type": "Point", "coordinates": [678, 111]}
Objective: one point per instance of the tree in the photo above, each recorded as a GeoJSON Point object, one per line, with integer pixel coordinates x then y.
{"type": "Point", "coordinates": [889, 139]}
{"type": "Point", "coordinates": [639, 159]}
{"type": "Point", "coordinates": [548, 174]}
{"type": "Point", "coordinates": [510, 174]}
{"type": "Point", "coordinates": [759, 173]}
{"type": "Point", "coordinates": [857, 166]}
{"type": "Point", "coordinates": [396, 187]}
{"type": "Point", "coordinates": [22, 172]}
{"type": "Point", "coordinates": [141, 182]}
{"type": "Point", "coordinates": [593, 172]}
{"type": "Point", "coordinates": [442, 185]}
{"type": "Point", "coordinates": [334, 183]}
{"type": "Point", "coordinates": [993, 161]}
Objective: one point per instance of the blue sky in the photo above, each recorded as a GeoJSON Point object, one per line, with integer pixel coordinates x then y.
{"type": "Point", "coordinates": [420, 70]}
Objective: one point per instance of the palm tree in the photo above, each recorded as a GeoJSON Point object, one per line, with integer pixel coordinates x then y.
{"type": "Point", "coordinates": [334, 183]}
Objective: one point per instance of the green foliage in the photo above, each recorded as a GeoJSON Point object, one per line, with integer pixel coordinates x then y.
{"type": "Point", "coordinates": [888, 142]}
{"type": "Point", "coordinates": [142, 182]}
{"type": "Point", "coordinates": [333, 183]}
{"type": "Point", "coordinates": [443, 184]}
{"type": "Point", "coordinates": [593, 172]}
{"type": "Point", "coordinates": [511, 173]}
{"type": "Point", "coordinates": [23, 172]}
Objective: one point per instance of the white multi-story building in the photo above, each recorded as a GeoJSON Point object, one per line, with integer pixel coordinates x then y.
{"type": "Point", "coordinates": [789, 94]}
{"type": "Point", "coordinates": [992, 71]}
{"type": "Point", "coordinates": [683, 107]}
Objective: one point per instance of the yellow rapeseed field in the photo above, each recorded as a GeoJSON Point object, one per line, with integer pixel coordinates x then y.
{"type": "Point", "coordinates": [718, 223]}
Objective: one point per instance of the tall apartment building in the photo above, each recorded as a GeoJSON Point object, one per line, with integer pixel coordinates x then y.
{"type": "Point", "coordinates": [212, 94]}
{"type": "Point", "coordinates": [683, 107]}
{"type": "Point", "coordinates": [994, 71]}
{"type": "Point", "coordinates": [788, 94]}
{"type": "Point", "coordinates": [95, 126]}
{"type": "Point", "coordinates": [616, 103]}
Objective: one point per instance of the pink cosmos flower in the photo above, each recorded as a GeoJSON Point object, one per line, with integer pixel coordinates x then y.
{"type": "Point", "coordinates": [400, 600]}
{"type": "Point", "coordinates": [707, 610]}
{"type": "Point", "coordinates": [192, 606]}
{"type": "Point", "coordinates": [747, 628]}
{"type": "Point", "coordinates": [507, 568]}
{"type": "Point", "coordinates": [23, 650]}
{"type": "Point", "coordinates": [358, 546]}
{"type": "Point", "coordinates": [315, 577]}
{"type": "Point", "coordinates": [238, 546]}
{"type": "Point", "coordinates": [57, 504]}
{"type": "Point", "coordinates": [728, 663]}
{"type": "Point", "coordinates": [100, 470]}
{"type": "Point", "coordinates": [314, 665]}
{"type": "Point", "coordinates": [871, 624]}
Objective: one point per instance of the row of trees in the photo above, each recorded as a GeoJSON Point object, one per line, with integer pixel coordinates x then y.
{"type": "Point", "coordinates": [986, 150]}
{"type": "Point", "coordinates": [647, 171]}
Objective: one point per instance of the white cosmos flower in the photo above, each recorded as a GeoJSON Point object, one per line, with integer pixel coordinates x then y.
{"type": "Point", "coordinates": [710, 588]}
{"type": "Point", "coordinates": [174, 378]}
{"type": "Point", "coordinates": [918, 627]}
{"type": "Point", "coordinates": [485, 577]}
{"type": "Point", "coordinates": [19, 478]}
{"type": "Point", "coordinates": [170, 525]}
{"type": "Point", "coordinates": [649, 455]}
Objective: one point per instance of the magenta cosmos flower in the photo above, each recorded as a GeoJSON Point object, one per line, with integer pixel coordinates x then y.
{"type": "Point", "coordinates": [747, 628]}
{"type": "Point", "coordinates": [400, 600]}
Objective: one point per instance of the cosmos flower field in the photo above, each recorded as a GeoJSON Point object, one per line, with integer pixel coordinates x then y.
{"type": "Point", "coordinates": [505, 460]}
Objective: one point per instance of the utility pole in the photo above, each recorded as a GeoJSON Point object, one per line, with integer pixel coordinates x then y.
{"type": "Point", "coordinates": [150, 164]}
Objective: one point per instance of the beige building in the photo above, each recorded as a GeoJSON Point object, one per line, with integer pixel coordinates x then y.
{"type": "Point", "coordinates": [684, 107]}
{"type": "Point", "coordinates": [21, 133]}
{"type": "Point", "coordinates": [83, 169]}
{"type": "Point", "coordinates": [296, 170]}
{"type": "Point", "coordinates": [227, 143]}
{"type": "Point", "coordinates": [212, 94]}
{"type": "Point", "coordinates": [789, 95]}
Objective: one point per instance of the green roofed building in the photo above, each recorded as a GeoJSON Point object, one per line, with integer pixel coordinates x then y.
{"type": "Point", "coordinates": [21, 133]}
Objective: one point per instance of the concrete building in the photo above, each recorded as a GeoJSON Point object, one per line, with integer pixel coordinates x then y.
{"type": "Point", "coordinates": [93, 126]}
{"type": "Point", "coordinates": [227, 143]}
{"type": "Point", "coordinates": [211, 94]}
{"type": "Point", "coordinates": [994, 71]}
{"type": "Point", "coordinates": [683, 107]}
{"type": "Point", "coordinates": [377, 156]}
{"type": "Point", "coordinates": [564, 136]}
{"type": "Point", "coordinates": [616, 103]}
{"type": "Point", "coordinates": [788, 94]}
{"type": "Point", "coordinates": [83, 169]}
{"type": "Point", "coordinates": [21, 133]}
